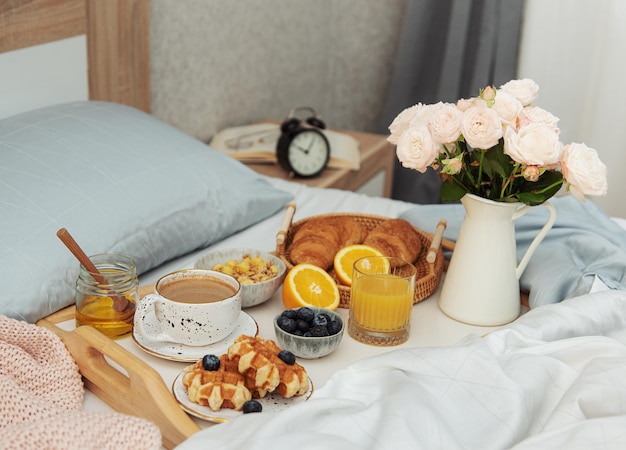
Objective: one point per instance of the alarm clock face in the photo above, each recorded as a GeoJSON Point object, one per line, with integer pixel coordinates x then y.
{"type": "Point", "coordinates": [308, 153]}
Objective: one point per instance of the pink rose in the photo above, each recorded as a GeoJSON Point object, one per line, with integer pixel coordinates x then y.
{"type": "Point", "coordinates": [425, 114]}
{"type": "Point", "coordinates": [533, 145]}
{"type": "Point", "coordinates": [531, 173]}
{"type": "Point", "coordinates": [488, 95]}
{"type": "Point", "coordinates": [452, 166]}
{"type": "Point", "coordinates": [535, 114]}
{"type": "Point", "coordinates": [583, 171]}
{"type": "Point", "coordinates": [464, 104]}
{"type": "Point", "coordinates": [508, 107]}
{"type": "Point", "coordinates": [416, 148]}
{"type": "Point", "coordinates": [481, 126]}
{"type": "Point", "coordinates": [445, 124]}
{"type": "Point", "coordinates": [401, 123]}
{"type": "Point", "coordinates": [414, 115]}
{"type": "Point", "coordinates": [525, 90]}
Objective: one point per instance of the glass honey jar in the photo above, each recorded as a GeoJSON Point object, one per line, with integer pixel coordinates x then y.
{"type": "Point", "coordinates": [106, 300]}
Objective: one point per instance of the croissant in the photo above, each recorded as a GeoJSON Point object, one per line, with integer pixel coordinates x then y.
{"type": "Point", "coordinates": [318, 240]}
{"type": "Point", "coordinates": [313, 249]}
{"type": "Point", "coordinates": [395, 237]}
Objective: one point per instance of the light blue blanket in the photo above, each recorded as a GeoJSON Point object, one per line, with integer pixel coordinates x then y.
{"type": "Point", "coordinates": [583, 243]}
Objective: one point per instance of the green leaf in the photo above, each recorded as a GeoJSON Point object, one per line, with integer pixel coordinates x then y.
{"type": "Point", "coordinates": [537, 192]}
{"type": "Point", "coordinates": [499, 163]}
{"type": "Point", "coordinates": [493, 168]}
{"type": "Point", "coordinates": [451, 192]}
{"type": "Point", "coordinates": [531, 199]}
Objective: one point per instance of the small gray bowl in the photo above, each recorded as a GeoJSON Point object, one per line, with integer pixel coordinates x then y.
{"type": "Point", "coordinates": [251, 294]}
{"type": "Point", "coordinates": [309, 347]}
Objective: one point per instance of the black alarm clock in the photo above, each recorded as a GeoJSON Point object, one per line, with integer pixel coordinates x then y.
{"type": "Point", "coordinates": [302, 148]}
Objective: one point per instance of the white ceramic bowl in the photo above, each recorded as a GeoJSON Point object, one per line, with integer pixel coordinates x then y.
{"type": "Point", "coordinates": [309, 347]}
{"type": "Point", "coordinates": [251, 294]}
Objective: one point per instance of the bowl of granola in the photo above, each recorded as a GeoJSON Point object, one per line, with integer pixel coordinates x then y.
{"type": "Point", "coordinates": [259, 273]}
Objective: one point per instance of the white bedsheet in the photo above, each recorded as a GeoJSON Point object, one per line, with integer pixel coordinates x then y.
{"type": "Point", "coordinates": [556, 378]}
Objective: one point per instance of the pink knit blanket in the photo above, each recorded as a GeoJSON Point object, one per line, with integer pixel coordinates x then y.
{"type": "Point", "coordinates": [41, 398]}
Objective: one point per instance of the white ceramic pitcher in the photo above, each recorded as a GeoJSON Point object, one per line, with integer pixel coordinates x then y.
{"type": "Point", "coordinates": [481, 286]}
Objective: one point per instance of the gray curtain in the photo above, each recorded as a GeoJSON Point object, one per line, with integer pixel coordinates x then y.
{"type": "Point", "coordinates": [449, 49]}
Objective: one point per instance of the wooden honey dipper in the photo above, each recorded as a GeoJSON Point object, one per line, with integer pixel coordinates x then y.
{"type": "Point", "coordinates": [120, 303]}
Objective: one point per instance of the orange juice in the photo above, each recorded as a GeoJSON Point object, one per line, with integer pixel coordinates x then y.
{"type": "Point", "coordinates": [382, 303]}
{"type": "Point", "coordinates": [381, 300]}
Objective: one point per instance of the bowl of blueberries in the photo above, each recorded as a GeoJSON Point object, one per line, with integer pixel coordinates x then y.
{"type": "Point", "coordinates": [308, 332]}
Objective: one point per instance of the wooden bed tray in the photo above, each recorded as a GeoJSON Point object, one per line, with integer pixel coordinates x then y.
{"type": "Point", "coordinates": [137, 389]}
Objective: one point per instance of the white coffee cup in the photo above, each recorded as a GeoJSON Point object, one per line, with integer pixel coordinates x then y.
{"type": "Point", "coordinates": [195, 307]}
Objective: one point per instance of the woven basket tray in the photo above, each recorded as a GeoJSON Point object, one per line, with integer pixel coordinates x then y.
{"type": "Point", "coordinates": [427, 277]}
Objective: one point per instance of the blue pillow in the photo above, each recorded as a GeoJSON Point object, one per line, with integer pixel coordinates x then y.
{"type": "Point", "coordinates": [120, 181]}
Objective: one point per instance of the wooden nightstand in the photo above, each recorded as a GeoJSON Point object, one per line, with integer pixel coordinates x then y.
{"type": "Point", "coordinates": [375, 177]}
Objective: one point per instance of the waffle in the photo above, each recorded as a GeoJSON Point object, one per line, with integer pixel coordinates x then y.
{"type": "Point", "coordinates": [217, 389]}
{"type": "Point", "coordinates": [250, 369]}
{"type": "Point", "coordinates": [249, 377]}
{"type": "Point", "coordinates": [258, 359]}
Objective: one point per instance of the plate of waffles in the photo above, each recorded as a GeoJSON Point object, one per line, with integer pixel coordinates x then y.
{"type": "Point", "coordinates": [187, 353]}
{"type": "Point", "coordinates": [218, 388]}
{"type": "Point", "coordinates": [271, 402]}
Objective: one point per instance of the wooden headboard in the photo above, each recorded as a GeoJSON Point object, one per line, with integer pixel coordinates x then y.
{"type": "Point", "coordinates": [118, 40]}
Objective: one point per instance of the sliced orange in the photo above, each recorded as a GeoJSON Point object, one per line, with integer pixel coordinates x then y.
{"type": "Point", "coordinates": [345, 258]}
{"type": "Point", "coordinates": [309, 285]}
{"type": "Point", "coordinates": [373, 266]}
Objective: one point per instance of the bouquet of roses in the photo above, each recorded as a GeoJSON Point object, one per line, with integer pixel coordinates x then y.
{"type": "Point", "coordinates": [497, 146]}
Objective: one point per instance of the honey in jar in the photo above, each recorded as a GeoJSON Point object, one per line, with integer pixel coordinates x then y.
{"type": "Point", "coordinates": [108, 306]}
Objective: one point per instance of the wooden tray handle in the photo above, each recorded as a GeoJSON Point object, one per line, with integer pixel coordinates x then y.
{"type": "Point", "coordinates": [436, 242]}
{"type": "Point", "coordinates": [284, 228]}
{"type": "Point", "coordinates": [140, 392]}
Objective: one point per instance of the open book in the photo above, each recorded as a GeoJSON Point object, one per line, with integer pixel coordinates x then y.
{"type": "Point", "coordinates": [257, 144]}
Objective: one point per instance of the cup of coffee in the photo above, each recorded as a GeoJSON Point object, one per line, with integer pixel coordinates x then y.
{"type": "Point", "coordinates": [193, 307]}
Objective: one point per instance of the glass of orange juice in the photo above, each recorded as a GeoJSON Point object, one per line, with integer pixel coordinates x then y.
{"type": "Point", "coordinates": [381, 300]}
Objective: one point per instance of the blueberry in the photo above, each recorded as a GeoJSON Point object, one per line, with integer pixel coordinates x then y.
{"type": "Point", "coordinates": [328, 316]}
{"type": "Point", "coordinates": [321, 320]}
{"type": "Point", "coordinates": [287, 324]}
{"type": "Point", "coordinates": [252, 406]}
{"type": "Point", "coordinates": [334, 327]}
{"type": "Point", "coordinates": [303, 325]}
{"type": "Point", "coordinates": [290, 313]}
{"type": "Point", "coordinates": [319, 331]}
{"type": "Point", "coordinates": [287, 357]}
{"type": "Point", "coordinates": [210, 362]}
{"type": "Point", "coordinates": [306, 314]}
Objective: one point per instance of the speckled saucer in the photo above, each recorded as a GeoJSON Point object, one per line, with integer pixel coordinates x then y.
{"type": "Point", "coordinates": [181, 352]}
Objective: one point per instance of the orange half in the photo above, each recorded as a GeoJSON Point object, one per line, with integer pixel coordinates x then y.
{"type": "Point", "coordinates": [309, 285]}
{"type": "Point", "coordinates": [345, 258]}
